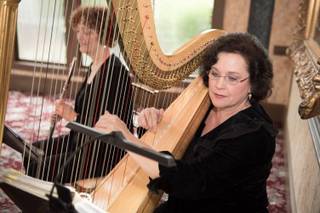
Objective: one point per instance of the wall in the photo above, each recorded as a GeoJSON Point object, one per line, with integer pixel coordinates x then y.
{"type": "Point", "coordinates": [304, 172]}
{"type": "Point", "coordinates": [285, 15]}
{"type": "Point", "coordinates": [236, 15]}
{"type": "Point", "coordinates": [284, 21]}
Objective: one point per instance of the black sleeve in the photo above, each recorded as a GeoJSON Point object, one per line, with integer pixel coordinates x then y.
{"type": "Point", "coordinates": [229, 163]}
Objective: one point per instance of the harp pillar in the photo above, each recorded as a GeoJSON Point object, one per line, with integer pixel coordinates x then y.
{"type": "Point", "coordinates": [8, 19]}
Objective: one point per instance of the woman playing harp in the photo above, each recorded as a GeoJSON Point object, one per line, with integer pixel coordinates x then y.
{"type": "Point", "coordinates": [107, 86]}
{"type": "Point", "coordinates": [226, 166]}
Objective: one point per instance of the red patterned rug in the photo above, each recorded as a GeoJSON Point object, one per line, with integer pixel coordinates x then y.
{"type": "Point", "coordinates": [23, 115]}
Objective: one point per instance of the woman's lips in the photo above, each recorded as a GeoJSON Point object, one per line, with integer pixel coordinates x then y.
{"type": "Point", "coordinates": [219, 95]}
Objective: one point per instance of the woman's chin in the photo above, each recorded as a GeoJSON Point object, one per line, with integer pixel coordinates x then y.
{"type": "Point", "coordinates": [83, 50]}
{"type": "Point", "coordinates": [220, 103]}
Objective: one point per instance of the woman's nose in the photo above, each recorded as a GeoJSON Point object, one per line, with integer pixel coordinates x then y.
{"type": "Point", "coordinates": [220, 82]}
{"type": "Point", "coordinates": [79, 36]}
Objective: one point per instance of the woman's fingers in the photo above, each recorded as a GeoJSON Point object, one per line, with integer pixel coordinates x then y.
{"type": "Point", "coordinates": [58, 107]}
{"type": "Point", "coordinates": [64, 110]}
{"type": "Point", "coordinates": [160, 114]}
{"type": "Point", "coordinates": [152, 119]}
{"type": "Point", "coordinates": [142, 121]}
{"type": "Point", "coordinates": [103, 124]}
{"type": "Point", "coordinates": [109, 122]}
{"type": "Point", "coordinates": [149, 118]}
{"type": "Point", "coordinates": [103, 120]}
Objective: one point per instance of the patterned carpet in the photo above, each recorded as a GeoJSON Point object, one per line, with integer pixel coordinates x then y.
{"type": "Point", "coordinates": [23, 115]}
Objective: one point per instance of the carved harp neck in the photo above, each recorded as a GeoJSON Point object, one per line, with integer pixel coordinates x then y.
{"type": "Point", "coordinates": [143, 53]}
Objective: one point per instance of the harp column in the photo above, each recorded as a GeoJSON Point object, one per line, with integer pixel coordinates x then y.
{"type": "Point", "coordinates": [8, 19]}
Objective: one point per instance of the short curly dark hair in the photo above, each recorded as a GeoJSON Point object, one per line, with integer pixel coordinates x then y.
{"type": "Point", "coordinates": [256, 56]}
{"type": "Point", "coordinates": [96, 18]}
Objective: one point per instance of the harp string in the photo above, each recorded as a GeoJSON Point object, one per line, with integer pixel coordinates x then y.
{"type": "Point", "coordinates": [111, 157]}
{"type": "Point", "coordinates": [62, 142]}
{"type": "Point", "coordinates": [65, 141]}
{"type": "Point", "coordinates": [130, 102]}
{"type": "Point", "coordinates": [56, 93]}
{"type": "Point", "coordinates": [115, 109]}
{"type": "Point", "coordinates": [119, 109]}
{"type": "Point", "coordinates": [85, 115]}
{"type": "Point", "coordinates": [30, 137]}
{"type": "Point", "coordinates": [39, 81]}
{"type": "Point", "coordinates": [96, 146]}
{"type": "Point", "coordinates": [158, 102]}
{"type": "Point", "coordinates": [41, 70]}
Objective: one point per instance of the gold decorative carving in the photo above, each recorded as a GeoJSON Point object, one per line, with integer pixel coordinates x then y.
{"type": "Point", "coordinates": [304, 52]}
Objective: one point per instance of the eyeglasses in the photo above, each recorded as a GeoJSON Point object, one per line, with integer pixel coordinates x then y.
{"type": "Point", "coordinates": [228, 79]}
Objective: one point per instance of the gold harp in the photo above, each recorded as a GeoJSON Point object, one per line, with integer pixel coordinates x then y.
{"type": "Point", "coordinates": [8, 19]}
{"type": "Point", "coordinates": [124, 189]}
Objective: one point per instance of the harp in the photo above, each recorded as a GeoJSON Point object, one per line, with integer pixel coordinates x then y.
{"type": "Point", "coordinates": [124, 188]}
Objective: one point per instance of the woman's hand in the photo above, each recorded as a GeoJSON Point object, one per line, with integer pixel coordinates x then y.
{"type": "Point", "coordinates": [149, 118]}
{"type": "Point", "coordinates": [64, 110]}
{"type": "Point", "coordinates": [110, 123]}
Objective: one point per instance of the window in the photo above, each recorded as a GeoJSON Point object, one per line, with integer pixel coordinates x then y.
{"type": "Point", "coordinates": [179, 20]}
{"type": "Point", "coordinates": [93, 2]}
{"type": "Point", "coordinates": [41, 31]}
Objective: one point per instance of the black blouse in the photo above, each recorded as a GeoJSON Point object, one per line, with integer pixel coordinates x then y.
{"type": "Point", "coordinates": [224, 170]}
{"type": "Point", "coordinates": [110, 91]}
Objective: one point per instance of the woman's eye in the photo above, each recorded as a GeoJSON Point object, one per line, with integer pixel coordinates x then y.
{"type": "Point", "coordinates": [214, 74]}
{"type": "Point", "coordinates": [232, 78]}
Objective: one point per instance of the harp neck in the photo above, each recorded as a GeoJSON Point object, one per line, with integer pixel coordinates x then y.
{"type": "Point", "coordinates": [143, 53]}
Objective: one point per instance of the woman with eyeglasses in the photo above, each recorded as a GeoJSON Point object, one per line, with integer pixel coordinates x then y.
{"type": "Point", "coordinates": [226, 166]}
{"type": "Point", "coordinates": [106, 86]}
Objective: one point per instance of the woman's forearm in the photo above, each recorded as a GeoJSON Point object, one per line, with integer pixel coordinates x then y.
{"type": "Point", "coordinates": [150, 167]}
{"type": "Point", "coordinates": [108, 123]}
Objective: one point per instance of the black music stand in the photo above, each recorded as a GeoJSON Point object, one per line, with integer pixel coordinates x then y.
{"type": "Point", "coordinates": [13, 140]}
{"type": "Point", "coordinates": [27, 202]}
{"type": "Point", "coordinates": [117, 139]}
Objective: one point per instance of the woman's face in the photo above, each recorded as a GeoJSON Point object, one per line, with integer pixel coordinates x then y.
{"type": "Point", "coordinates": [229, 81]}
{"type": "Point", "coordinates": [88, 39]}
